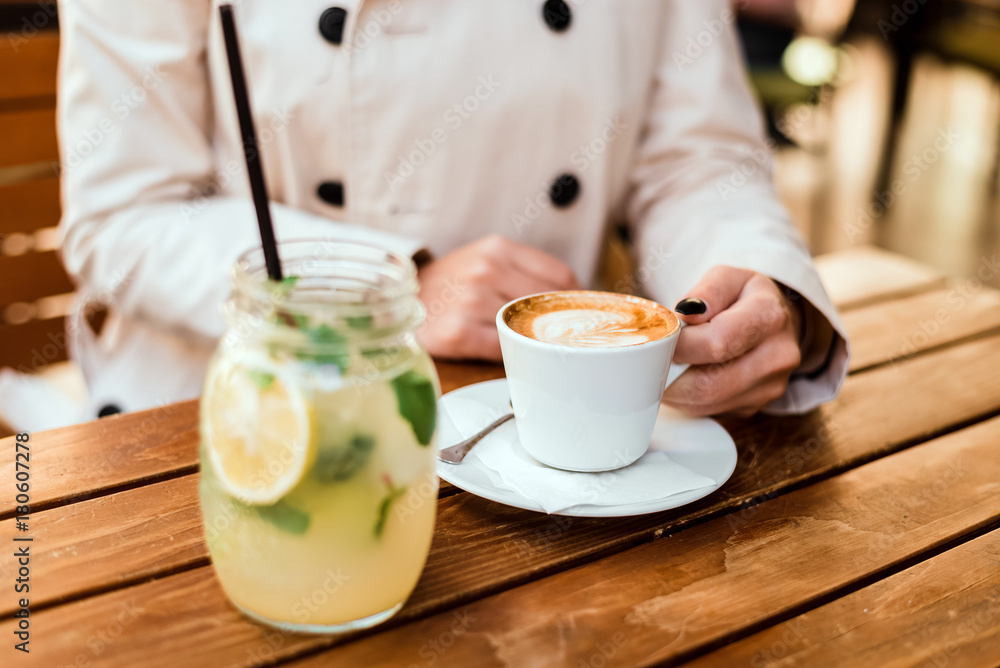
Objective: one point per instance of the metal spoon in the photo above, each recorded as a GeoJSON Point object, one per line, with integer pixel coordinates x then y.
{"type": "Point", "coordinates": [456, 453]}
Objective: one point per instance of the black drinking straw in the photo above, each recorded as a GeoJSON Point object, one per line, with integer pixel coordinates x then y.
{"type": "Point", "coordinates": [251, 150]}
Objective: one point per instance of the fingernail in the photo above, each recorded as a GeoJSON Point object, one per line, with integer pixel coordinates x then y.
{"type": "Point", "coordinates": [691, 306]}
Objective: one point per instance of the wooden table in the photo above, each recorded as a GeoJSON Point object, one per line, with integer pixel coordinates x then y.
{"type": "Point", "coordinates": [864, 533]}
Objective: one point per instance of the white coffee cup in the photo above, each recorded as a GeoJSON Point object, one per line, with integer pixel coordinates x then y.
{"type": "Point", "coordinates": [584, 408]}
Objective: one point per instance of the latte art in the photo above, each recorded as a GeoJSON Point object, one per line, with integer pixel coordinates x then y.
{"type": "Point", "coordinates": [590, 319]}
{"type": "Point", "coordinates": [588, 327]}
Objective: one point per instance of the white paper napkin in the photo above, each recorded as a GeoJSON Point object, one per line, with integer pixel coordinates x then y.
{"type": "Point", "coordinates": [653, 476]}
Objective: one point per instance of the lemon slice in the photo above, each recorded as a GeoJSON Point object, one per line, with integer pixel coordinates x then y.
{"type": "Point", "coordinates": [258, 431]}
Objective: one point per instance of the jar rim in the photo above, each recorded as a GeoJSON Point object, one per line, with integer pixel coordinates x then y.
{"type": "Point", "coordinates": [249, 276]}
{"type": "Point", "coordinates": [346, 291]}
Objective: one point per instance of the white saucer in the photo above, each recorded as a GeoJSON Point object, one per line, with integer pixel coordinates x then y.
{"type": "Point", "coordinates": [700, 444]}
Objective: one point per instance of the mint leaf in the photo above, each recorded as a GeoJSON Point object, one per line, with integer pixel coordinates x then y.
{"type": "Point", "coordinates": [417, 403]}
{"type": "Point", "coordinates": [285, 517]}
{"type": "Point", "coordinates": [383, 508]}
{"type": "Point", "coordinates": [261, 379]}
{"type": "Point", "coordinates": [360, 322]}
{"type": "Point", "coordinates": [284, 286]}
{"type": "Point", "coordinates": [324, 337]}
{"type": "Point", "coordinates": [340, 463]}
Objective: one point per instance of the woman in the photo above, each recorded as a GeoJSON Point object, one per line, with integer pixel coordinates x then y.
{"type": "Point", "coordinates": [495, 142]}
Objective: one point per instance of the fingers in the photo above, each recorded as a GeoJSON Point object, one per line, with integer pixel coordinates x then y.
{"type": "Point", "coordinates": [463, 290]}
{"type": "Point", "coordinates": [547, 271]}
{"type": "Point", "coordinates": [453, 336]}
{"type": "Point", "coordinates": [755, 399]}
{"type": "Point", "coordinates": [480, 341]}
{"type": "Point", "coordinates": [718, 289]}
{"type": "Point", "coordinates": [480, 303]}
{"type": "Point", "coordinates": [759, 313]}
{"type": "Point", "coordinates": [517, 284]}
{"type": "Point", "coordinates": [746, 383]}
{"type": "Point", "coordinates": [742, 349]}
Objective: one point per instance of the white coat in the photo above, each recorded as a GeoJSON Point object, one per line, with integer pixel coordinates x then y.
{"type": "Point", "coordinates": [431, 123]}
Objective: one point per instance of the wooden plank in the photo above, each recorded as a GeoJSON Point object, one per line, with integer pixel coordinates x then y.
{"type": "Point", "coordinates": [866, 275]}
{"type": "Point", "coordinates": [29, 206]}
{"type": "Point", "coordinates": [670, 596]}
{"type": "Point", "coordinates": [941, 612]}
{"type": "Point", "coordinates": [112, 540]}
{"type": "Point", "coordinates": [32, 276]}
{"type": "Point", "coordinates": [81, 461]}
{"type": "Point", "coordinates": [28, 65]}
{"type": "Point", "coordinates": [28, 136]}
{"type": "Point", "coordinates": [34, 344]}
{"type": "Point", "coordinates": [667, 599]}
{"type": "Point", "coordinates": [481, 547]}
{"type": "Point", "coordinates": [93, 457]}
{"type": "Point", "coordinates": [901, 328]}
{"type": "Point", "coordinates": [454, 375]}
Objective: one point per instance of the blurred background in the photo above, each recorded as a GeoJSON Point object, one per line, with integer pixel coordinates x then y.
{"type": "Point", "coordinates": [884, 117]}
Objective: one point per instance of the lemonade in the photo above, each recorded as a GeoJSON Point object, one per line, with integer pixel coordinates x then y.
{"type": "Point", "coordinates": [318, 484]}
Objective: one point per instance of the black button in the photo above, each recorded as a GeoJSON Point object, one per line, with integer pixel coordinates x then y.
{"type": "Point", "coordinates": [556, 14]}
{"type": "Point", "coordinates": [108, 409]}
{"type": "Point", "coordinates": [331, 24]}
{"type": "Point", "coordinates": [564, 190]}
{"type": "Point", "coordinates": [331, 192]}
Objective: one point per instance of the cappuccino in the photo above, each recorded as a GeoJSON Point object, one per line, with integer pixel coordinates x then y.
{"type": "Point", "coordinates": [590, 319]}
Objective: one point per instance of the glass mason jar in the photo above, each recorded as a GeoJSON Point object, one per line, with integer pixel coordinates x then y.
{"type": "Point", "coordinates": [318, 430]}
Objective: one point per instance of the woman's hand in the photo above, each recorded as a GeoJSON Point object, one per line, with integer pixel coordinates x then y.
{"type": "Point", "coordinates": [463, 291]}
{"type": "Point", "coordinates": [742, 343]}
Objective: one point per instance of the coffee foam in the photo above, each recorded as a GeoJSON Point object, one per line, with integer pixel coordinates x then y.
{"type": "Point", "coordinates": [590, 319]}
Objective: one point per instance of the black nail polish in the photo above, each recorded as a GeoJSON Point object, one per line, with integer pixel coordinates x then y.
{"type": "Point", "coordinates": [691, 306]}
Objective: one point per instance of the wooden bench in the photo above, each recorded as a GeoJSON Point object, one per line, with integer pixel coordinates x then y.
{"type": "Point", "coordinates": [35, 291]}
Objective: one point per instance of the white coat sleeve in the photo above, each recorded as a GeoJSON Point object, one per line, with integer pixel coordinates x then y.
{"type": "Point", "coordinates": [134, 122]}
{"type": "Point", "coordinates": [701, 190]}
